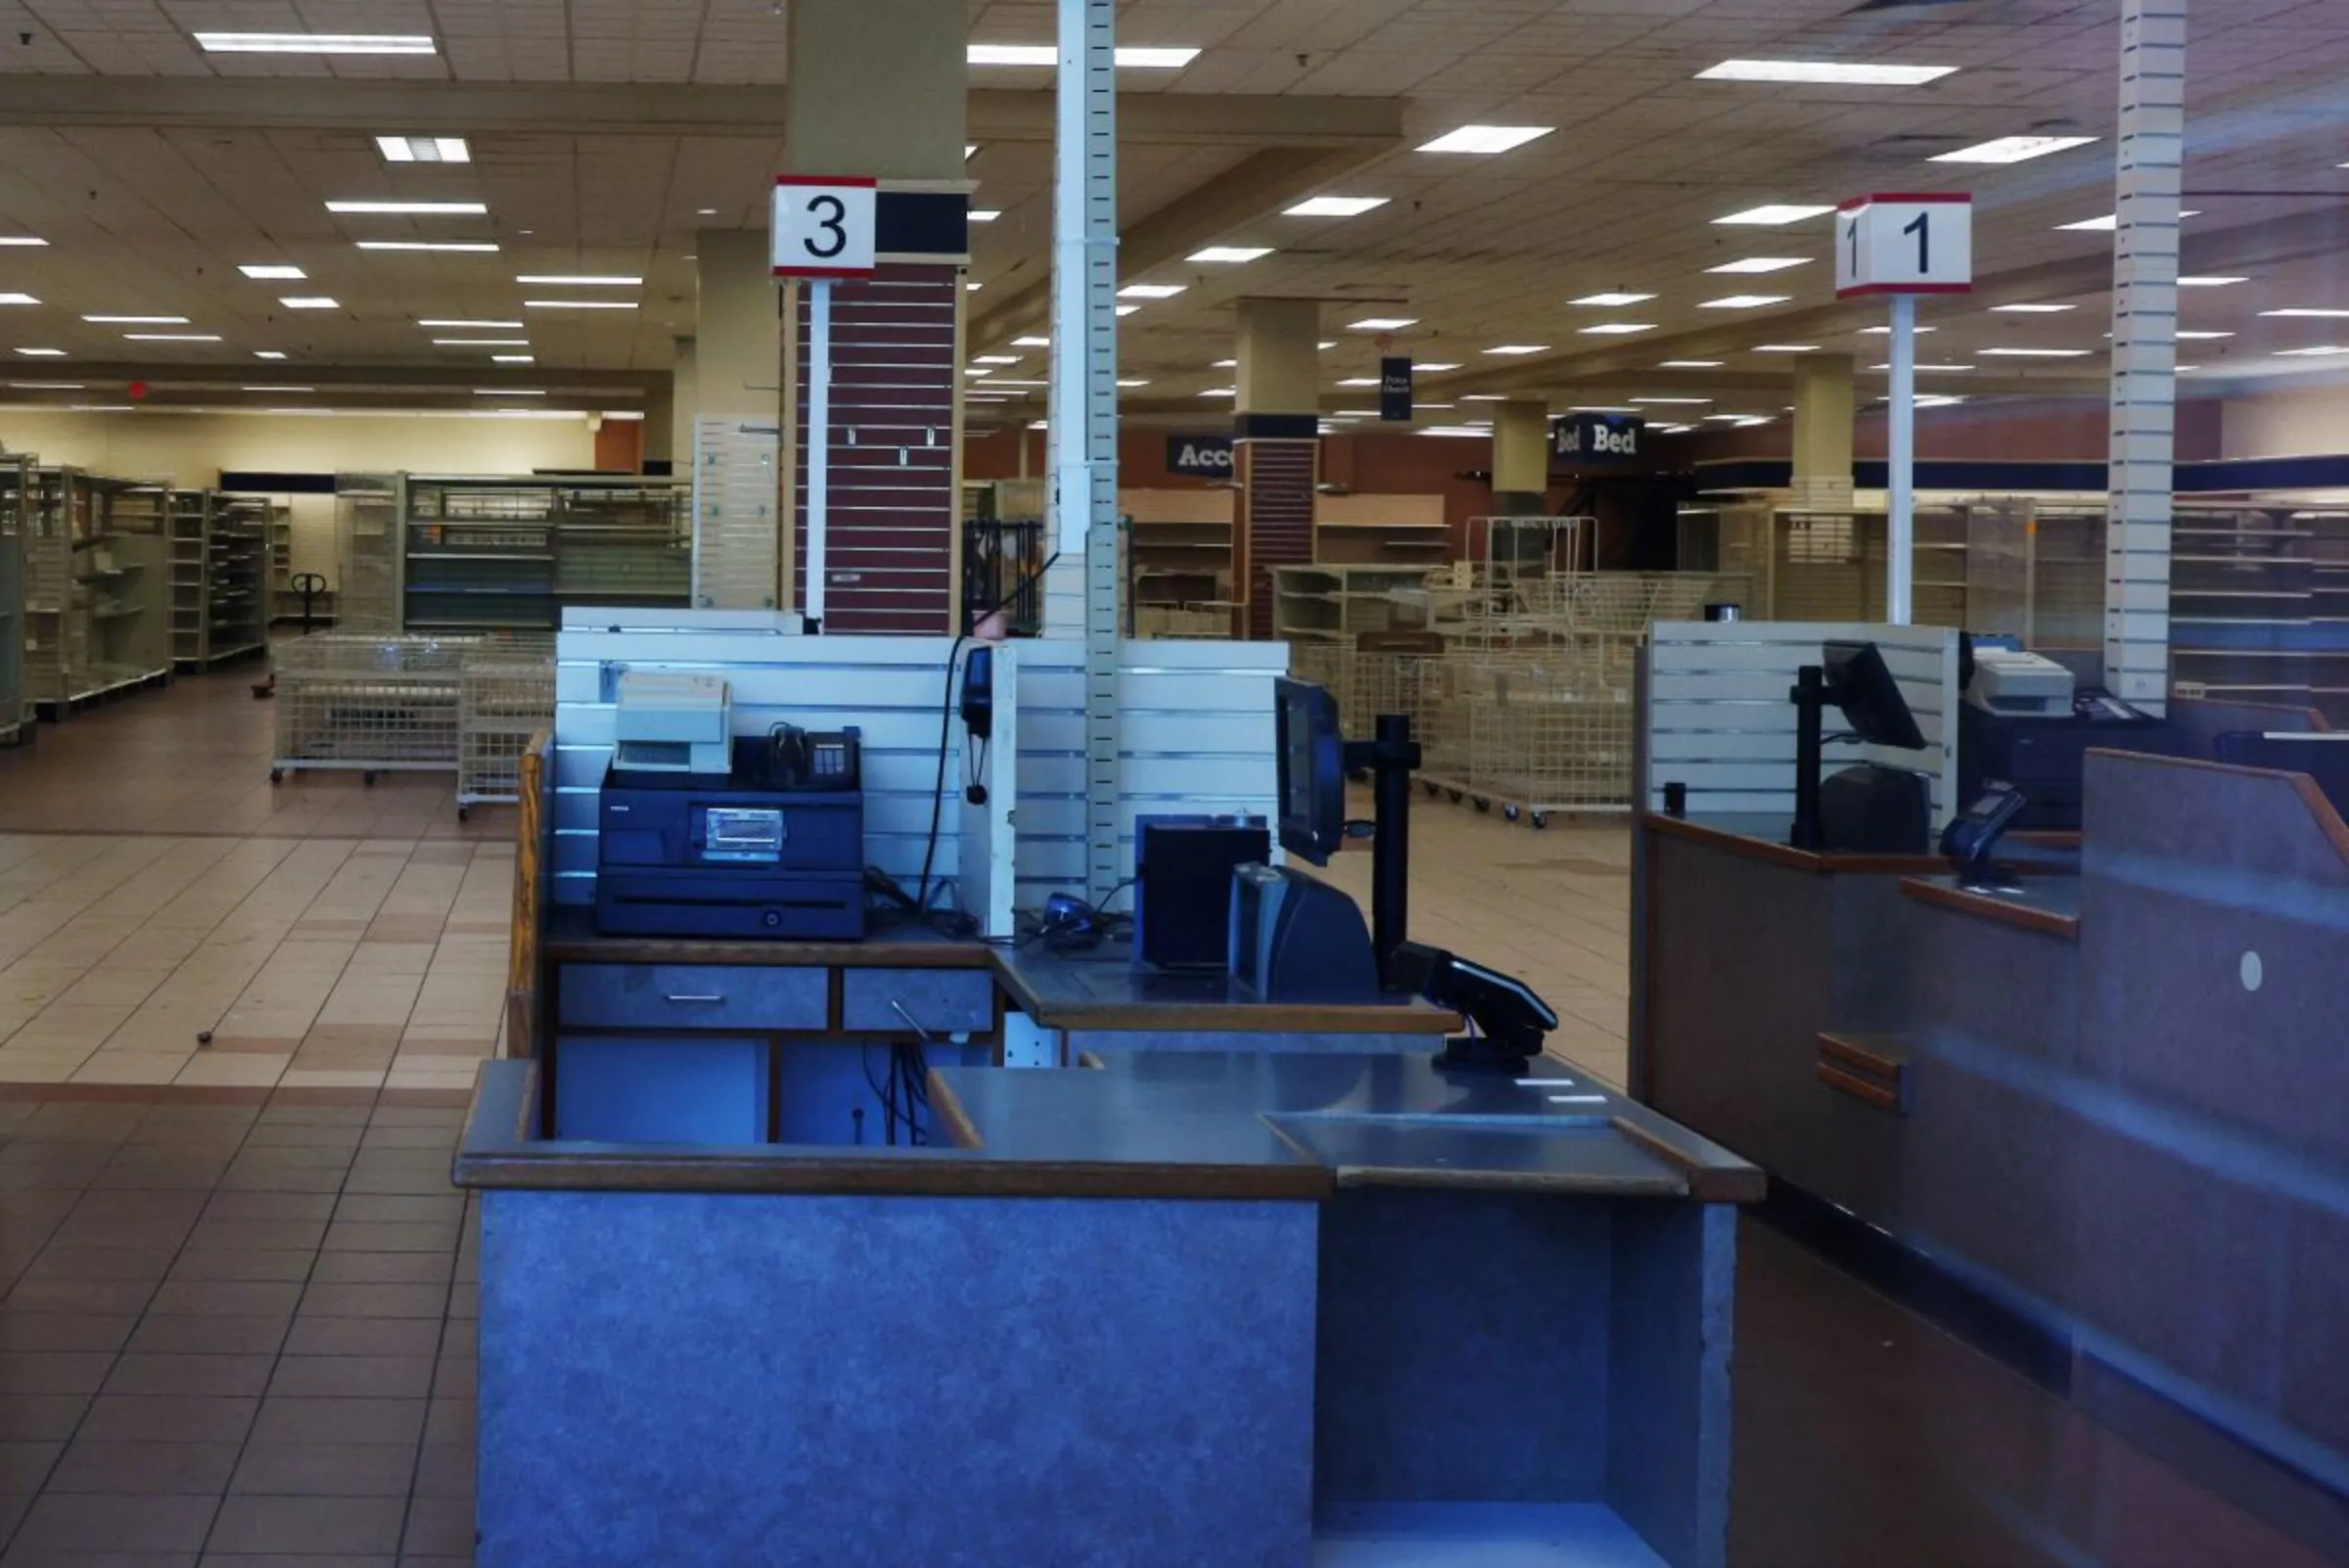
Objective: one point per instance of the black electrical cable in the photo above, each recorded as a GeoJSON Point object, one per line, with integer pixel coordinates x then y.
{"type": "Point", "coordinates": [938, 792]}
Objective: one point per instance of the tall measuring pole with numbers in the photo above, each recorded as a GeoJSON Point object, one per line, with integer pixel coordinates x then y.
{"type": "Point", "coordinates": [822, 233]}
{"type": "Point", "coordinates": [1904, 244]}
{"type": "Point", "coordinates": [1082, 587]}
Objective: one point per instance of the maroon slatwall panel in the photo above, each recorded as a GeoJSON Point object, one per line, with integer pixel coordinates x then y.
{"type": "Point", "coordinates": [894, 509]}
{"type": "Point", "coordinates": [1276, 517]}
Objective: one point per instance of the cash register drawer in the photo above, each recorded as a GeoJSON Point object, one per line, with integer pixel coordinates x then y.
{"type": "Point", "coordinates": [940, 1001]}
{"type": "Point", "coordinates": [671, 997]}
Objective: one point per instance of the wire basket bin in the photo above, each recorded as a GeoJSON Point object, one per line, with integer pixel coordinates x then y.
{"type": "Point", "coordinates": [504, 697]}
{"type": "Point", "coordinates": [369, 705]}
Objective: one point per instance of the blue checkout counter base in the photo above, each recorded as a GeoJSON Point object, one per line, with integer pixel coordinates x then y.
{"type": "Point", "coordinates": [1478, 1534]}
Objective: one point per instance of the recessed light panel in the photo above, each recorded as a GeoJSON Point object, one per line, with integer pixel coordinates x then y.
{"type": "Point", "coordinates": [1761, 264]}
{"type": "Point", "coordinates": [1383, 323]}
{"type": "Point", "coordinates": [2033, 353]}
{"type": "Point", "coordinates": [1824, 72]}
{"type": "Point", "coordinates": [424, 149]}
{"type": "Point", "coordinates": [471, 326]}
{"type": "Point", "coordinates": [2013, 149]}
{"type": "Point", "coordinates": [578, 305]}
{"type": "Point", "coordinates": [314, 43]}
{"type": "Point", "coordinates": [414, 209]}
{"type": "Point", "coordinates": [1231, 254]}
{"type": "Point", "coordinates": [1744, 302]}
{"type": "Point", "coordinates": [1485, 139]}
{"type": "Point", "coordinates": [1517, 350]}
{"type": "Point", "coordinates": [1773, 217]}
{"type": "Point", "coordinates": [1611, 301]}
{"type": "Point", "coordinates": [1692, 364]}
{"type": "Point", "coordinates": [1151, 291]}
{"type": "Point", "coordinates": [11, 299]}
{"type": "Point", "coordinates": [42, 354]}
{"type": "Point", "coordinates": [1617, 329]}
{"type": "Point", "coordinates": [309, 301]}
{"type": "Point", "coordinates": [138, 321]}
{"type": "Point", "coordinates": [2031, 309]}
{"type": "Point", "coordinates": [476, 247]}
{"type": "Point", "coordinates": [1142, 57]}
{"type": "Point", "coordinates": [2210, 283]}
{"type": "Point", "coordinates": [578, 280]}
{"type": "Point", "coordinates": [1336, 207]}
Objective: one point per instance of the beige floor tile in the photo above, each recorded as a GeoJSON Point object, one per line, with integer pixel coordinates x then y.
{"type": "Point", "coordinates": [39, 1067]}
{"type": "Point", "coordinates": [317, 1077]}
{"type": "Point", "coordinates": [236, 1070]}
{"type": "Point", "coordinates": [129, 1067]}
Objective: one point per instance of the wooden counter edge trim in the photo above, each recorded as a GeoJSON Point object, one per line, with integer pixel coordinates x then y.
{"type": "Point", "coordinates": [1223, 1018]}
{"type": "Point", "coordinates": [1707, 1183]}
{"type": "Point", "coordinates": [1856, 1053]}
{"type": "Point", "coordinates": [954, 1113]}
{"type": "Point", "coordinates": [2043, 922]}
{"type": "Point", "coordinates": [580, 947]}
{"type": "Point", "coordinates": [1860, 1089]}
{"type": "Point", "coordinates": [1829, 863]}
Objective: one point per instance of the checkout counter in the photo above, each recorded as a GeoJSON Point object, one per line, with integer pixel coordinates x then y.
{"type": "Point", "coordinates": [1135, 1269]}
{"type": "Point", "coordinates": [2093, 1115]}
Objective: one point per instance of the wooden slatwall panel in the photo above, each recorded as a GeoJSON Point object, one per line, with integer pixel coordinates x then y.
{"type": "Point", "coordinates": [1276, 517]}
{"type": "Point", "coordinates": [893, 510]}
{"type": "Point", "coordinates": [1719, 719]}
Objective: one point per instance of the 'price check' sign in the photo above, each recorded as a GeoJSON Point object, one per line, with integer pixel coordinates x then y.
{"type": "Point", "coordinates": [1905, 245]}
{"type": "Point", "coordinates": [823, 227]}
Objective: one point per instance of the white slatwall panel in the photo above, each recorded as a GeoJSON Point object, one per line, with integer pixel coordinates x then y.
{"type": "Point", "coordinates": [891, 687]}
{"type": "Point", "coordinates": [1195, 737]}
{"type": "Point", "coordinates": [736, 516]}
{"type": "Point", "coordinates": [1719, 721]}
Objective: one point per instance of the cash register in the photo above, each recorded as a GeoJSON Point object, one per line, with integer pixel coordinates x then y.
{"type": "Point", "coordinates": [2027, 721]}
{"type": "Point", "coordinates": [706, 833]}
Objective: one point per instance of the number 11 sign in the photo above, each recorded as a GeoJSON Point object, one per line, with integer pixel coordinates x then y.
{"type": "Point", "coordinates": [1903, 246]}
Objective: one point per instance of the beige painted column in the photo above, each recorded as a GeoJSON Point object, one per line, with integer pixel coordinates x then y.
{"type": "Point", "coordinates": [1521, 457]}
{"type": "Point", "coordinates": [1824, 407]}
{"type": "Point", "coordinates": [877, 91]}
{"type": "Point", "coordinates": [1277, 448]}
{"type": "Point", "coordinates": [737, 332]}
{"type": "Point", "coordinates": [681, 394]}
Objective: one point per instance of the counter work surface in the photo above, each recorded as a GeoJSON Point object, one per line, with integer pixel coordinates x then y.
{"type": "Point", "coordinates": [1106, 989]}
{"type": "Point", "coordinates": [1169, 1124]}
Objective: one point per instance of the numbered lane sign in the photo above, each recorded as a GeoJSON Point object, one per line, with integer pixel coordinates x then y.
{"type": "Point", "coordinates": [823, 227]}
{"type": "Point", "coordinates": [1905, 245]}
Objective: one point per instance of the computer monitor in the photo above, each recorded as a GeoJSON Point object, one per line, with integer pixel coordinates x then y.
{"type": "Point", "coordinates": [1311, 755]}
{"type": "Point", "coordinates": [1860, 683]}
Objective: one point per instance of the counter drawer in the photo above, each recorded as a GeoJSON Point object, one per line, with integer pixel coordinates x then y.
{"type": "Point", "coordinates": [668, 997]}
{"type": "Point", "coordinates": [942, 1001]}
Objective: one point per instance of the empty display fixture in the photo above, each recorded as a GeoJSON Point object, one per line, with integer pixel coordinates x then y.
{"type": "Point", "coordinates": [496, 554]}
{"type": "Point", "coordinates": [96, 587]}
{"type": "Point", "coordinates": [16, 521]}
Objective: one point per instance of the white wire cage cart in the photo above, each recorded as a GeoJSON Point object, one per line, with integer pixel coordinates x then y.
{"type": "Point", "coordinates": [506, 694]}
{"type": "Point", "coordinates": [372, 705]}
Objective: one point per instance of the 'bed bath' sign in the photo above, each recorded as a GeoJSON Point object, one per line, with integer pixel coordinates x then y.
{"type": "Point", "coordinates": [1596, 437]}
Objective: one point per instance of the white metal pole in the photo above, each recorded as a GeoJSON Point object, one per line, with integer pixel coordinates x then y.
{"type": "Point", "coordinates": [819, 441]}
{"type": "Point", "coordinates": [1901, 545]}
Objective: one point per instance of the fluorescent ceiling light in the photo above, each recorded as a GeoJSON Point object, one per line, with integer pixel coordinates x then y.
{"type": "Point", "coordinates": [1152, 291]}
{"type": "Point", "coordinates": [978, 370]}
{"type": "Point", "coordinates": [2033, 353]}
{"type": "Point", "coordinates": [2210, 283]}
{"type": "Point", "coordinates": [18, 299]}
{"type": "Point", "coordinates": [47, 385]}
{"type": "Point", "coordinates": [973, 288]}
{"type": "Point", "coordinates": [420, 208]}
{"type": "Point", "coordinates": [2013, 149]}
{"type": "Point", "coordinates": [471, 326]}
{"type": "Point", "coordinates": [1431, 405]}
{"type": "Point", "coordinates": [1220, 392]}
{"type": "Point", "coordinates": [1436, 367]}
{"type": "Point", "coordinates": [1785, 348]}
{"type": "Point", "coordinates": [42, 354]}
{"type": "Point", "coordinates": [1127, 309]}
{"type": "Point", "coordinates": [1824, 72]}
{"type": "Point", "coordinates": [2111, 221]}
{"type": "Point", "coordinates": [309, 301]}
{"type": "Point", "coordinates": [1456, 432]}
{"type": "Point", "coordinates": [1773, 217]}
{"type": "Point", "coordinates": [1032, 342]}
{"type": "Point", "coordinates": [1744, 302]}
{"type": "Point", "coordinates": [1512, 349]}
{"type": "Point", "coordinates": [481, 343]}
{"type": "Point", "coordinates": [2325, 353]}
{"type": "Point", "coordinates": [1336, 207]}
{"type": "Point", "coordinates": [513, 359]}
{"type": "Point", "coordinates": [1232, 253]}
{"type": "Point", "coordinates": [1600, 408]}
{"type": "Point", "coordinates": [1327, 345]}
{"type": "Point", "coordinates": [170, 337]}
{"type": "Point", "coordinates": [996, 359]}
{"type": "Point", "coordinates": [1936, 369]}
{"type": "Point", "coordinates": [578, 305]}
{"type": "Point", "coordinates": [2031, 309]}
{"type": "Point", "coordinates": [2310, 315]}
{"type": "Point", "coordinates": [1728, 419]}
{"type": "Point", "coordinates": [268, 353]}
{"type": "Point", "coordinates": [578, 280]}
{"type": "Point", "coordinates": [274, 271]}
{"type": "Point", "coordinates": [1382, 323]}
{"type": "Point", "coordinates": [1483, 398]}
{"type": "Point", "coordinates": [425, 149]}
{"type": "Point", "coordinates": [496, 391]}
{"type": "Point", "coordinates": [1762, 264]}
{"type": "Point", "coordinates": [1361, 381]}
{"type": "Point", "coordinates": [314, 43]}
{"type": "Point", "coordinates": [17, 240]}
{"type": "Point", "coordinates": [1617, 329]}
{"type": "Point", "coordinates": [1486, 138]}
{"type": "Point", "coordinates": [138, 321]}
{"type": "Point", "coordinates": [278, 389]}
{"type": "Point", "coordinates": [1046, 54]}
{"type": "Point", "coordinates": [2203, 337]}
{"type": "Point", "coordinates": [1224, 364]}
{"type": "Point", "coordinates": [984, 214]}
{"type": "Point", "coordinates": [1611, 301]}
{"type": "Point", "coordinates": [1692, 364]}
{"type": "Point", "coordinates": [1886, 332]}
{"type": "Point", "coordinates": [1133, 382]}
{"type": "Point", "coordinates": [1691, 402]}
{"type": "Point", "coordinates": [476, 247]}
{"type": "Point", "coordinates": [970, 150]}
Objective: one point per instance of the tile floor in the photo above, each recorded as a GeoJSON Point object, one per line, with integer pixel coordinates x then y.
{"type": "Point", "coordinates": [236, 1291]}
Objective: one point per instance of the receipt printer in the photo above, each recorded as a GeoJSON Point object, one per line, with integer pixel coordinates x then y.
{"type": "Point", "coordinates": [2019, 685]}
{"type": "Point", "coordinates": [670, 724]}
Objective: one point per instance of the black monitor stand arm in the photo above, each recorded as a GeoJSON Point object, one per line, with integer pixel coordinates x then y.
{"type": "Point", "coordinates": [1810, 701]}
{"type": "Point", "coordinates": [1391, 758]}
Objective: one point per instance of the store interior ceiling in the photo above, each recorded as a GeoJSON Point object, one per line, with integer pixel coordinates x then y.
{"type": "Point", "coordinates": [155, 169]}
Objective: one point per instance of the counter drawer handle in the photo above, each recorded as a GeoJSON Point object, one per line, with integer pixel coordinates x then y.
{"type": "Point", "coordinates": [715, 997]}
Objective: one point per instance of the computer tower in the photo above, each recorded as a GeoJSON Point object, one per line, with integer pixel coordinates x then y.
{"type": "Point", "coordinates": [1184, 889]}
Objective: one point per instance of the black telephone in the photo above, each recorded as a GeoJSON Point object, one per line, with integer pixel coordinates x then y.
{"type": "Point", "coordinates": [797, 759]}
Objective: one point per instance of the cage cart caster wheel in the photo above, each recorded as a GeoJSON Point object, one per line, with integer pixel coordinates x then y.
{"type": "Point", "coordinates": [464, 813]}
{"type": "Point", "coordinates": [1431, 786]}
{"type": "Point", "coordinates": [1541, 819]}
{"type": "Point", "coordinates": [368, 779]}
{"type": "Point", "coordinates": [277, 775]}
{"type": "Point", "coordinates": [1509, 811]}
{"type": "Point", "coordinates": [1454, 795]}
{"type": "Point", "coordinates": [1483, 806]}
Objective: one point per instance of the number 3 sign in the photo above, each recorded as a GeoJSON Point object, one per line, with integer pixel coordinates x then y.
{"type": "Point", "coordinates": [823, 227]}
{"type": "Point", "coordinates": [1905, 245]}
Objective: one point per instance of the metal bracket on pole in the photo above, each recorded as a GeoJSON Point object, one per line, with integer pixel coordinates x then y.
{"type": "Point", "coordinates": [1901, 544]}
{"type": "Point", "coordinates": [1084, 422]}
{"type": "Point", "coordinates": [819, 443]}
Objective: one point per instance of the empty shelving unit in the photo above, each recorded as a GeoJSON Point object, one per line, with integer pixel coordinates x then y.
{"type": "Point", "coordinates": [508, 554]}
{"type": "Point", "coordinates": [367, 553]}
{"type": "Point", "coordinates": [189, 519]}
{"type": "Point", "coordinates": [96, 589]}
{"type": "Point", "coordinates": [219, 576]}
{"type": "Point", "coordinates": [16, 521]}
